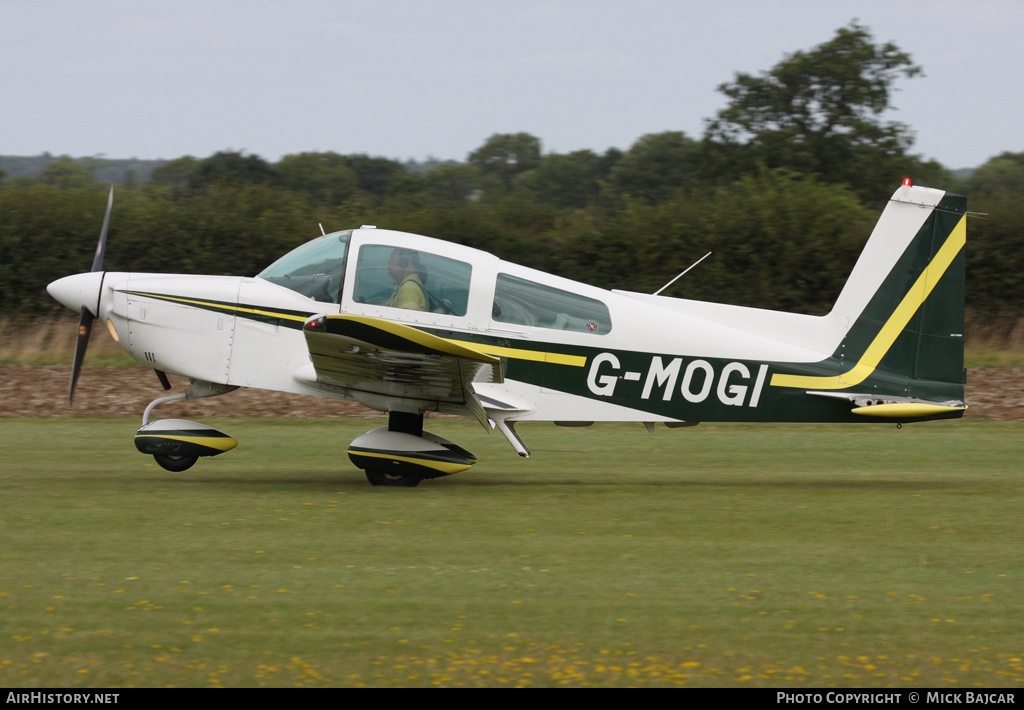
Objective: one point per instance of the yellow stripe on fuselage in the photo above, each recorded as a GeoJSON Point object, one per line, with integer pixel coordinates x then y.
{"type": "Point", "coordinates": [418, 336]}
{"type": "Point", "coordinates": [893, 327]}
{"type": "Point", "coordinates": [520, 354]}
{"type": "Point", "coordinates": [399, 329]}
{"type": "Point", "coordinates": [225, 306]}
{"type": "Point", "coordinates": [426, 339]}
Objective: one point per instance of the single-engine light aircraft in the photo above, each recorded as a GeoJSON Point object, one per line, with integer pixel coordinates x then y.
{"type": "Point", "coordinates": [407, 324]}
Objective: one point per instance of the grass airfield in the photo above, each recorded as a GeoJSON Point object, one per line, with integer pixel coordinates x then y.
{"type": "Point", "coordinates": [740, 555]}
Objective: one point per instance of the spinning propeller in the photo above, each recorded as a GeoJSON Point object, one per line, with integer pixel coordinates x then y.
{"type": "Point", "coordinates": [85, 324]}
{"type": "Point", "coordinates": [83, 292]}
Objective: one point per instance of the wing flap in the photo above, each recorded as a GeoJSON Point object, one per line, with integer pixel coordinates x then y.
{"type": "Point", "coordinates": [390, 359]}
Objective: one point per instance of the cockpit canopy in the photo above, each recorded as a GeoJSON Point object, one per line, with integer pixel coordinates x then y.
{"type": "Point", "coordinates": [388, 264]}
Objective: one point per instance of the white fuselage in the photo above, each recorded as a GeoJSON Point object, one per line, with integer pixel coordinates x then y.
{"type": "Point", "coordinates": [247, 332]}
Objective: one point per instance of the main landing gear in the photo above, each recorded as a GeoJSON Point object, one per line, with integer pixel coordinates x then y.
{"type": "Point", "coordinates": [402, 454]}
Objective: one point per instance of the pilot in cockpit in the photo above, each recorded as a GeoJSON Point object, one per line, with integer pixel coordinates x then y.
{"type": "Point", "coordinates": [410, 280]}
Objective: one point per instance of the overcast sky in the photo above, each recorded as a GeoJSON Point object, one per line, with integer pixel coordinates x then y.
{"type": "Point", "coordinates": [418, 78]}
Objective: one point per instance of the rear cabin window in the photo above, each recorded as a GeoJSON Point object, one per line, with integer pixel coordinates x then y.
{"type": "Point", "coordinates": [525, 302]}
{"type": "Point", "coordinates": [412, 279]}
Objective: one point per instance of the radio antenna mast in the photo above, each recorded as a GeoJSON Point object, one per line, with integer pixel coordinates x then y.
{"type": "Point", "coordinates": [680, 275]}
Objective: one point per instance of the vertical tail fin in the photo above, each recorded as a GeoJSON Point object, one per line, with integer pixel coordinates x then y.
{"type": "Point", "coordinates": [913, 321]}
{"type": "Point", "coordinates": [903, 305]}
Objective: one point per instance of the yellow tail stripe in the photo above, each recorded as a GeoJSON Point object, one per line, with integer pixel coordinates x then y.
{"type": "Point", "coordinates": [893, 327]}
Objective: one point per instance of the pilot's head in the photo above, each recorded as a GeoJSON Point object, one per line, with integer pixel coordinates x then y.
{"type": "Point", "coordinates": [404, 262]}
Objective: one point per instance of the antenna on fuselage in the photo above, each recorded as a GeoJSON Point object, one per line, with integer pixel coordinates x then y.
{"type": "Point", "coordinates": [322, 232]}
{"type": "Point", "coordinates": [681, 275]}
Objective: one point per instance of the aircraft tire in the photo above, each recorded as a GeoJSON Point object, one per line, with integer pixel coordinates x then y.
{"type": "Point", "coordinates": [175, 463]}
{"type": "Point", "coordinates": [380, 478]}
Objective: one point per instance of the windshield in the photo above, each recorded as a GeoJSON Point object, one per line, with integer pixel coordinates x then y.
{"type": "Point", "coordinates": [316, 269]}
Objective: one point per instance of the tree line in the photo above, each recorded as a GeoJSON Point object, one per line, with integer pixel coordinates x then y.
{"type": "Point", "coordinates": [784, 187]}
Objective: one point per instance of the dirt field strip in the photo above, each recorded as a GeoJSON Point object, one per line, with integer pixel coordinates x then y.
{"type": "Point", "coordinates": [31, 391]}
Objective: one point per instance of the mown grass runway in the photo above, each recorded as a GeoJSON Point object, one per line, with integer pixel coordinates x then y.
{"type": "Point", "coordinates": [715, 556]}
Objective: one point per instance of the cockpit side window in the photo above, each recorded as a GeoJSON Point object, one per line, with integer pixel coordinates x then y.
{"type": "Point", "coordinates": [316, 269]}
{"type": "Point", "coordinates": [412, 279]}
{"type": "Point", "coordinates": [529, 303]}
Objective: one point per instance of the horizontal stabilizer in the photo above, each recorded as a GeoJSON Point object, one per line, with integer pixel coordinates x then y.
{"type": "Point", "coordinates": [892, 407]}
{"type": "Point", "coordinates": [904, 409]}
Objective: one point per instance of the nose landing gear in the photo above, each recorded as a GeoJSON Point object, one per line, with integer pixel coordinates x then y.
{"type": "Point", "coordinates": [176, 444]}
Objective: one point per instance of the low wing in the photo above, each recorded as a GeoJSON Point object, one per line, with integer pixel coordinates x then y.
{"type": "Point", "coordinates": [389, 359]}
